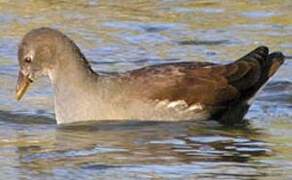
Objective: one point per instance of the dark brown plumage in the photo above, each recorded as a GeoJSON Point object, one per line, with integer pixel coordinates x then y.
{"type": "Point", "coordinates": [223, 89]}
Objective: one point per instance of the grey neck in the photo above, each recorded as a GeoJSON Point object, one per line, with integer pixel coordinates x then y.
{"type": "Point", "coordinates": [75, 86]}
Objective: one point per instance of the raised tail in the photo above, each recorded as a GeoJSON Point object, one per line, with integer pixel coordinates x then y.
{"type": "Point", "coordinates": [262, 67]}
{"type": "Point", "coordinates": [248, 76]}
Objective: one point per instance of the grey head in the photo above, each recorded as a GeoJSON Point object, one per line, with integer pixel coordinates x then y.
{"type": "Point", "coordinates": [40, 51]}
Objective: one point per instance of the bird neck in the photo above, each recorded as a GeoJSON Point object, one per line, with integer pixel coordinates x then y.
{"type": "Point", "coordinates": [72, 72]}
{"type": "Point", "coordinates": [74, 84]}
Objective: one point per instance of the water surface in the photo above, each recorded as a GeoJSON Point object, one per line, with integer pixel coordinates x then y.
{"type": "Point", "coordinates": [123, 35]}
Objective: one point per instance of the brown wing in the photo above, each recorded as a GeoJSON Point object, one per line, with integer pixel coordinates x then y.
{"type": "Point", "coordinates": [206, 83]}
{"type": "Point", "coordinates": [194, 82]}
{"type": "Point", "coordinates": [188, 81]}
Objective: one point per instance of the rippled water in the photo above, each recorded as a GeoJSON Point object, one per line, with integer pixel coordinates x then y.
{"type": "Point", "coordinates": [122, 35]}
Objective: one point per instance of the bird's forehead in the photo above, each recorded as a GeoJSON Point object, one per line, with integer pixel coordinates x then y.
{"type": "Point", "coordinates": [26, 50]}
{"type": "Point", "coordinates": [29, 42]}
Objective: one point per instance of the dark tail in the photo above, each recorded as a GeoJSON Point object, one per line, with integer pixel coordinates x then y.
{"type": "Point", "coordinates": [253, 72]}
{"type": "Point", "coordinates": [263, 67]}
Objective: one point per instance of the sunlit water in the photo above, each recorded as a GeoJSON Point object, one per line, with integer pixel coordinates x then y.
{"type": "Point", "coordinates": [123, 35]}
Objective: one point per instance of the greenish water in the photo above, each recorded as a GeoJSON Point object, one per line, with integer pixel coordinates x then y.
{"type": "Point", "coordinates": [123, 35]}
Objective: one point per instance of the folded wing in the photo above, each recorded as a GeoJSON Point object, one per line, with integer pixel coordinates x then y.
{"type": "Point", "coordinates": [224, 90]}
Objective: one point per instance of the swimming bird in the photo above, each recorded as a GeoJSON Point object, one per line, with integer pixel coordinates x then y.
{"type": "Point", "coordinates": [168, 91]}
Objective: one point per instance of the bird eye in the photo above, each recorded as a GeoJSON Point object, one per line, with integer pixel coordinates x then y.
{"type": "Point", "coordinates": [27, 59]}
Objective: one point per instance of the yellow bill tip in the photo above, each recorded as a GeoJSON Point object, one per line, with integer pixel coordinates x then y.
{"type": "Point", "coordinates": [23, 83]}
